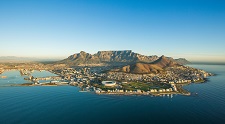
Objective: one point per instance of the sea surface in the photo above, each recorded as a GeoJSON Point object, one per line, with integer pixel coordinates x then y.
{"type": "Point", "coordinates": [65, 104]}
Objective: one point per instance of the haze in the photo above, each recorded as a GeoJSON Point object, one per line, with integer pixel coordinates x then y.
{"type": "Point", "coordinates": [191, 29]}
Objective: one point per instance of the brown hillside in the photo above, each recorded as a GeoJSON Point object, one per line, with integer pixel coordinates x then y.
{"type": "Point", "coordinates": [164, 62]}
{"type": "Point", "coordinates": [155, 67]}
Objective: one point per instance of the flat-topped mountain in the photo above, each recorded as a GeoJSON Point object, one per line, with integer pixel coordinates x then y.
{"type": "Point", "coordinates": [101, 57]}
{"type": "Point", "coordinates": [116, 56]}
{"type": "Point", "coordinates": [143, 68]}
{"type": "Point", "coordinates": [123, 57]}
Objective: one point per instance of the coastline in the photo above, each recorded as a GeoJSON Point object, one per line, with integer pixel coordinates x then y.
{"type": "Point", "coordinates": [118, 89]}
{"type": "Point", "coordinates": [145, 94]}
{"type": "Point", "coordinates": [180, 90]}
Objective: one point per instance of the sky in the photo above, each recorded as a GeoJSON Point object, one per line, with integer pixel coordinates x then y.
{"type": "Point", "coordinates": [191, 29]}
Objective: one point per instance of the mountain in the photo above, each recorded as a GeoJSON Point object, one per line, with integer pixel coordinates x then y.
{"type": "Point", "coordinates": [164, 62]}
{"type": "Point", "coordinates": [123, 57]}
{"type": "Point", "coordinates": [107, 57]}
{"type": "Point", "coordinates": [182, 61]}
{"type": "Point", "coordinates": [116, 56]}
{"type": "Point", "coordinates": [144, 68]}
{"type": "Point", "coordinates": [81, 58]}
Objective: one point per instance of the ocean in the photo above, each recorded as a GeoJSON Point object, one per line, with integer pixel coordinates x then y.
{"type": "Point", "coordinates": [65, 104]}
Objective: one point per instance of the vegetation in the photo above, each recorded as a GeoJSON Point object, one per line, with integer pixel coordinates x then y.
{"type": "Point", "coordinates": [145, 86]}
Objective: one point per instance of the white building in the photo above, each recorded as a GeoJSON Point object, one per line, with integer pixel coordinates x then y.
{"type": "Point", "coordinates": [109, 83]}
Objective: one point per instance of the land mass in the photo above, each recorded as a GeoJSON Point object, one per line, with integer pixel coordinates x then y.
{"type": "Point", "coordinates": [115, 72]}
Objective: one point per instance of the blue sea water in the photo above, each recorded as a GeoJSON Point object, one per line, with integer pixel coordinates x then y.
{"type": "Point", "coordinates": [65, 104]}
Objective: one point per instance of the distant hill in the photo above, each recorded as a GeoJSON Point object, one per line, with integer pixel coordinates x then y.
{"type": "Point", "coordinates": [143, 68]}
{"type": "Point", "coordinates": [182, 61]}
{"type": "Point", "coordinates": [14, 59]}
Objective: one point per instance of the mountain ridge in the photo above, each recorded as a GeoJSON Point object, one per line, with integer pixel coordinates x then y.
{"type": "Point", "coordinates": [123, 56]}
{"type": "Point", "coordinates": [109, 57]}
{"type": "Point", "coordinates": [145, 68]}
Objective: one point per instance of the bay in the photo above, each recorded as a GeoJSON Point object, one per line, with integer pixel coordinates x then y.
{"type": "Point", "coordinates": [65, 104]}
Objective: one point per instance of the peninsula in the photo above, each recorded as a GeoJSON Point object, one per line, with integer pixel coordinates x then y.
{"type": "Point", "coordinates": [116, 72]}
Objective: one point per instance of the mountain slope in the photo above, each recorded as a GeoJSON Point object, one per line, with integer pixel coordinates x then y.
{"type": "Point", "coordinates": [144, 68]}
{"type": "Point", "coordinates": [182, 61]}
{"type": "Point", "coordinates": [81, 58]}
{"type": "Point", "coordinates": [163, 62]}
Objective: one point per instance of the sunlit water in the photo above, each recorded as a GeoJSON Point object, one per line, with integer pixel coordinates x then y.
{"type": "Point", "coordinates": [14, 77]}
{"type": "Point", "coordinates": [65, 104]}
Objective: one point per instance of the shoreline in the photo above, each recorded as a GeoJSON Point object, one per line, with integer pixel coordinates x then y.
{"type": "Point", "coordinates": [145, 94]}
{"type": "Point", "coordinates": [112, 93]}
{"type": "Point", "coordinates": [176, 88]}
